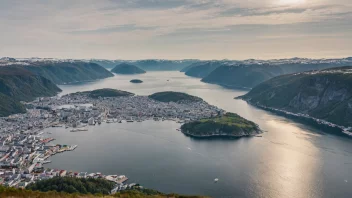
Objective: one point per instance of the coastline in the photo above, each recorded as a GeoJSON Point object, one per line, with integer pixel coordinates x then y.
{"type": "Point", "coordinates": [315, 122]}
{"type": "Point", "coordinates": [221, 135]}
{"type": "Point", "coordinates": [227, 86]}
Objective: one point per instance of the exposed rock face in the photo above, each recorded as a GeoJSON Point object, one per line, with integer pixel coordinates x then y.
{"type": "Point", "coordinates": [326, 94]}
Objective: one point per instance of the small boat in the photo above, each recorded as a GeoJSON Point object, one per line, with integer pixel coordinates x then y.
{"type": "Point", "coordinates": [78, 130]}
{"type": "Point", "coordinates": [216, 180]}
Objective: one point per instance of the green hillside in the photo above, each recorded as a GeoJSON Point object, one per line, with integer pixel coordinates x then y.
{"type": "Point", "coordinates": [10, 106]}
{"type": "Point", "coordinates": [249, 76]}
{"type": "Point", "coordinates": [68, 72]}
{"type": "Point", "coordinates": [108, 93]}
{"type": "Point", "coordinates": [170, 96]}
{"type": "Point", "coordinates": [229, 124]}
{"type": "Point", "coordinates": [67, 187]}
{"type": "Point", "coordinates": [18, 84]}
{"type": "Point", "coordinates": [325, 94]}
{"type": "Point", "coordinates": [125, 68]}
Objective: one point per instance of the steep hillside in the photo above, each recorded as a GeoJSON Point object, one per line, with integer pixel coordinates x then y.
{"type": "Point", "coordinates": [10, 106]}
{"type": "Point", "coordinates": [18, 84]}
{"type": "Point", "coordinates": [22, 85]}
{"type": "Point", "coordinates": [125, 68]}
{"type": "Point", "coordinates": [325, 94]}
{"type": "Point", "coordinates": [248, 76]}
{"type": "Point", "coordinates": [202, 70]}
{"type": "Point", "coordinates": [242, 76]}
{"type": "Point", "coordinates": [68, 72]}
{"type": "Point", "coordinates": [185, 69]}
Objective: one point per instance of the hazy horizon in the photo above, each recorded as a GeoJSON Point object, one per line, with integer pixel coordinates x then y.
{"type": "Point", "coordinates": [176, 29]}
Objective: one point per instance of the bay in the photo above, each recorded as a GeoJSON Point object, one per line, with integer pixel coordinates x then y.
{"type": "Point", "coordinates": [289, 160]}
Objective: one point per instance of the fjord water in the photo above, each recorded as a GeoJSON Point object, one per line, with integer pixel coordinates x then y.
{"type": "Point", "coordinates": [290, 160]}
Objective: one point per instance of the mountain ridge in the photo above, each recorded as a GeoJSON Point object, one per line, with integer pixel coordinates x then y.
{"type": "Point", "coordinates": [125, 68]}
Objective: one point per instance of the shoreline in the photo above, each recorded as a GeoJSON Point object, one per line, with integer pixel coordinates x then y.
{"type": "Point", "coordinates": [306, 119]}
{"type": "Point", "coordinates": [220, 135]}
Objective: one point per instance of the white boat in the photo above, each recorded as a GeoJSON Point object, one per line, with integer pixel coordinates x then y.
{"type": "Point", "coordinates": [77, 130]}
{"type": "Point", "coordinates": [216, 180]}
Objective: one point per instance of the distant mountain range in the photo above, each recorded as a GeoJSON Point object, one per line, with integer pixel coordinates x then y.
{"type": "Point", "coordinates": [325, 94]}
{"type": "Point", "coordinates": [249, 73]}
{"type": "Point", "coordinates": [60, 71]}
{"type": "Point", "coordinates": [148, 65]}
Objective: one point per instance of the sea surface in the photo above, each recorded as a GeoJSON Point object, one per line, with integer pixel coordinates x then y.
{"type": "Point", "coordinates": [290, 159]}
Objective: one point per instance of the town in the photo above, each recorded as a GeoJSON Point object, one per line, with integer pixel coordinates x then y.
{"type": "Point", "coordinates": [24, 150]}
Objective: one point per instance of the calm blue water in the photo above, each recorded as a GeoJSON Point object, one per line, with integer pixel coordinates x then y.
{"type": "Point", "coordinates": [290, 160]}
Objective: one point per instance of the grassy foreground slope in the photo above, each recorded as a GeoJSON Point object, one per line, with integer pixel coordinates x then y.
{"type": "Point", "coordinates": [19, 193]}
{"type": "Point", "coordinates": [67, 187]}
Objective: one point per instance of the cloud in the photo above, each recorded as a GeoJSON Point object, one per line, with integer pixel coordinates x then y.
{"type": "Point", "coordinates": [117, 28]}
{"type": "Point", "coordinates": [168, 27]}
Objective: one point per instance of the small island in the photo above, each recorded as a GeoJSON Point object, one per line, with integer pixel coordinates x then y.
{"type": "Point", "coordinates": [105, 93]}
{"type": "Point", "coordinates": [136, 81]}
{"type": "Point", "coordinates": [170, 96]}
{"type": "Point", "coordinates": [127, 69]}
{"type": "Point", "coordinates": [227, 125]}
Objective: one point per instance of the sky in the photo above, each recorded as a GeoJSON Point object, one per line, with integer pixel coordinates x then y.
{"type": "Point", "coordinates": [176, 29]}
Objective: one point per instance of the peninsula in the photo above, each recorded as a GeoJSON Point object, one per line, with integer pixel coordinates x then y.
{"type": "Point", "coordinates": [170, 96]}
{"type": "Point", "coordinates": [106, 92]}
{"type": "Point", "coordinates": [127, 69]}
{"type": "Point", "coordinates": [226, 125]}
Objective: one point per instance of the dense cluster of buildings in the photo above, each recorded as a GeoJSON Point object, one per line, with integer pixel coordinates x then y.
{"type": "Point", "coordinates": [79, 109]}
{"type": "Point", "coordinates": [23, 149]}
